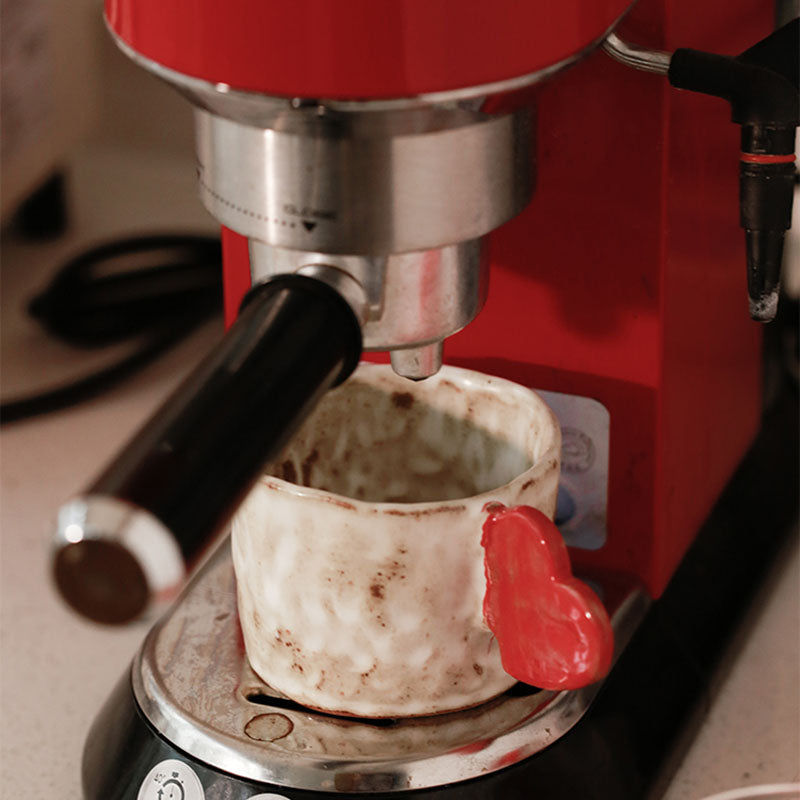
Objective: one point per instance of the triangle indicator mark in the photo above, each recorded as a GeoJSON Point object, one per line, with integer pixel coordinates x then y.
{"type": "Point", "coordinates": [308, 225]}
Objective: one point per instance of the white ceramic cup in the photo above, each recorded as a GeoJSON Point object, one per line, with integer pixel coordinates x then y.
{"type": "Point", "coordinates": [359, 566]}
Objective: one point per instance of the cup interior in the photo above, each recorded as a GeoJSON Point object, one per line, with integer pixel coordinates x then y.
{"type": "Point", "coordinates": [379, 438]}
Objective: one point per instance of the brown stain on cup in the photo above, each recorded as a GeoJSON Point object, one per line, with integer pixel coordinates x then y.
{"type": "Point", "coordinates": [402, 399]}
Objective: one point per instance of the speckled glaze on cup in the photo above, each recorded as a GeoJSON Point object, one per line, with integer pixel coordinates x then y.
{"type": "Point", "coordinates": [359, 564]}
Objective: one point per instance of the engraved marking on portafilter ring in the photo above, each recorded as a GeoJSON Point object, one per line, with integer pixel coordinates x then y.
{"type": "Point", "coordinates": [362, 184]}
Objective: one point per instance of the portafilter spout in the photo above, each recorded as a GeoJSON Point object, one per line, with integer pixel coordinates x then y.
{"type": "Point", "coordinates": [129, 539]}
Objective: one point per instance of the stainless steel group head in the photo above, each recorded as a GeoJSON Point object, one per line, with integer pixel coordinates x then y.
{"type": "Point", "coordinates": [397, 194]}
{"type": "Point", "coordinates": [398, 199]}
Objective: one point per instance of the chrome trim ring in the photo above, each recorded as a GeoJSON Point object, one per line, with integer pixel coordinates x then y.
{"type": "Point", "coordinates": [348, 184]}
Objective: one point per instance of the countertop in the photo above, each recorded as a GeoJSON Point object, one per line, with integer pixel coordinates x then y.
{"type": "Point", "coordinates": [56, 669]}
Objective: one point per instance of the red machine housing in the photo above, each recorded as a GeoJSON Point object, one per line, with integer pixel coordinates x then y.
{"type": "Point", "coordinates": [623, 280]}
{"type": "Point", "coordinates": [359, 49]}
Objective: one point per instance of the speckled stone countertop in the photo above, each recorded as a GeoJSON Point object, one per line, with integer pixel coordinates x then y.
{"type": "Point", "coordinates": [56, 669]}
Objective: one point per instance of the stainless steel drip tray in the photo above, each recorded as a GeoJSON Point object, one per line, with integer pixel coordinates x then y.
{"type": "Point", "coordinates": [193, 682]}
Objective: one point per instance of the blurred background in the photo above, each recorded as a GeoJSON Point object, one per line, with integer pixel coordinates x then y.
{"type": "Point", "coordinates": [64, 86]}
{"type": "Point", "coordinates": [94, 150]}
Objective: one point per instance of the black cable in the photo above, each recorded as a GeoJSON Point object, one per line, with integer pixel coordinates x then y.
{"type": "Point", "coordinates": [157, 287]}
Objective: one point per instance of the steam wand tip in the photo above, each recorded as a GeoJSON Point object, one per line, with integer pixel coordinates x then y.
{"type": "Point", "coordinates": [764, 255]}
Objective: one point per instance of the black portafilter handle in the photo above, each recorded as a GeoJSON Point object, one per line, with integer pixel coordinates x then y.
{"type": "Point", "coordinates": [129, 539]}
{"type": "Point", "coordinates": [763, 87]}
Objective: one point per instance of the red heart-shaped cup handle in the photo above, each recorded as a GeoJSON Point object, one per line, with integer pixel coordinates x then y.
{"type": "Point", "coordinates": [552, 629]}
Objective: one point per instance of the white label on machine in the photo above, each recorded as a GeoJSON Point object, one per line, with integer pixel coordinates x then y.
{"type": "Point", "coordinates": [171, 780]}
{"type": "Point", "coordinates": [583, 486]}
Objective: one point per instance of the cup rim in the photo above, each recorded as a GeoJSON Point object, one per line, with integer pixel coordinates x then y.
{"type": "Point", "coordinates": [548, 460]}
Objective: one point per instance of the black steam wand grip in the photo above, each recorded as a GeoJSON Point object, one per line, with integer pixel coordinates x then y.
{"type": "Point", "coordinates": [761, 85]}
{"type": "Point", "coordinates": [186, 471]}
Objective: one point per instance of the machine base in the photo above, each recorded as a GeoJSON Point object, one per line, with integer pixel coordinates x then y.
{"type": "Point", "coordinates": [627, 741]}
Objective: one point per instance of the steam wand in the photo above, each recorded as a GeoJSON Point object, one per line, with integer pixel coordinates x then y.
{"type": "Point", "coordinates": [762, 86]}
{"type": "Point", "coordinates": [129, 538]}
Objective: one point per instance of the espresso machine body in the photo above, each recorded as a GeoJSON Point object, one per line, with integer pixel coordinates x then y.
{"type": "Point", "coordinates": [477, 183]}
{"type": "Point", "coordinates": [621, 281]}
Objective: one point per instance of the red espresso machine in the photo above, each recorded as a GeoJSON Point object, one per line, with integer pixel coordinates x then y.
{"type": "Point", "coordinates": [516, 178]}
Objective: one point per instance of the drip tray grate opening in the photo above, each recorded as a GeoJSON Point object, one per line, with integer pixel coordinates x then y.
{"type": "Point", "coordinates": [261, 698]}
{"type": "Point", "coordinates": [266, 697]}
